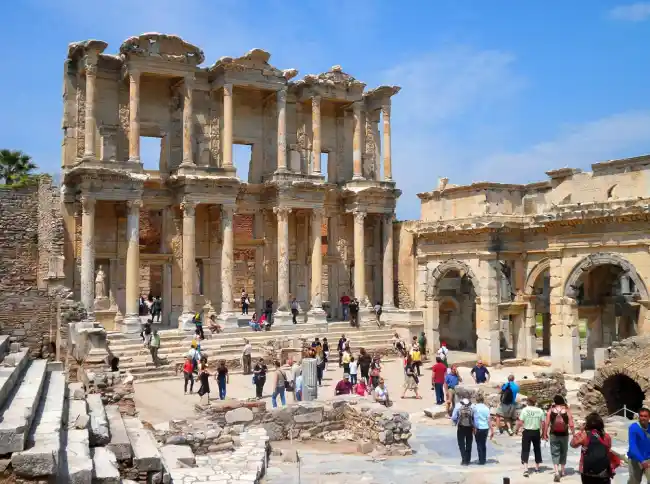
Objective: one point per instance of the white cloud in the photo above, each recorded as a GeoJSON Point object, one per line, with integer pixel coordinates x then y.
{"type": "Point", "coordinates": [634, 12]}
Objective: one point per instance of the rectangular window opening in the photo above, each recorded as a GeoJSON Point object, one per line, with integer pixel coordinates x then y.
{"type": "Point", "coordinates": [242, 155]}
{"type": "Point", "coordinates": [150, 152]}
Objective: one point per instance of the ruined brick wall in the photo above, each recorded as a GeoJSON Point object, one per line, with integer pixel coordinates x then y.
{"type": "Point", "coordinates": [404, 266]}
{"type": "Point", "coordinates": [30, 231]}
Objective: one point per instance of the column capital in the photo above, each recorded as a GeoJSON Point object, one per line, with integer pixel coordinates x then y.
{"type": "Point", "coordinates": [359, 215]}
{"type": "Point", "coordinates": [315, 101]}
{"type": "Point", "coordinates": [317, 213]}
{"type": "Point", "coordinates": [385, 110]}
{"type": "Point", "coordinates": [388, 217]}
{"type": "Point", "coordinates": [356, 107]}
{"type": "Point", "coordinates": [282, 212]}
{"type": "Point", "coordinates": [88, 203]}
{"type": "Point", "coordinates": [188, 207]}
{"type": "Point", "coordinates": [134, 205]}
{"type": "Point", "coordinates": [91, 68]}
{"type": "Point", "coordinates": [134, 75]}
{"type": "Point", "coordinates": [227, 89]}
{"type": "Point", "coordinates": [282, 95]}
{"type": "Point", "coordinates": [228, 211]}
{"type": "Point", "coordinates": [189, 80]}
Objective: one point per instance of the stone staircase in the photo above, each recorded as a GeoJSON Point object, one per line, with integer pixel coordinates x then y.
{"type": "Point", "coordinates": [50, 431]}
{"type": "Point", "coordinates": [175, 344]}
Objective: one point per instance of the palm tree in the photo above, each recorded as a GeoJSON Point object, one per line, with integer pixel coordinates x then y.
{"type": "Point", "coordinates": [15, 166]}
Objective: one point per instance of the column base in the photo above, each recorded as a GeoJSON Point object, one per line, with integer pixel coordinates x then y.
{"type": "Point", "coordinates": [229, 320]}
{"type": "Point", "coordinates": [130, 324]}
{"type": "Point", "coordinates": [358, 177]}
{"type": "Point", "coordinates": [134, 160]}
{"type": "Point", "coordinates": [316, 316]}
{"type": "Point", "coordinates": [185, 322]}
{"type": "Point", "coordinates": [282, 318]}
{"type": "Point", "coordinates": [187, 164]}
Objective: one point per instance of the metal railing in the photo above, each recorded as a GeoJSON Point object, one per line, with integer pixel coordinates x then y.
{"type": "Point", "coordinates": [624, 410]}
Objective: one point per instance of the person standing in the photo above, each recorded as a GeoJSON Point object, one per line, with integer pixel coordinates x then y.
{"type": "Point", "coordinates": [463, 419]}
{"type": "Point", "coordinates": [320, 365]}
{"type": "Point", "coordinates": [439, 373]}
{"type": "Point", "coordinates": [204, 378]}
{"type": "Point", "coordinates": [341, 348]}
{"type": "Point", "coordinates": [559, 421]}
{"type": "Point", "coordinates": [280, 386]}
{"type": "Point", "coordinates": [531, 419]}
{"type": "Point", "coordinates": [346, 360]}
{"type": "Point", "coordinates": [443, 353]}
{"type": "Point", "coordinates": [416, 358]}
{"type": "Point", "coordinates": [506, 413]}
{"type": "Point", "coordinates": [480, 372]}
{"type": "Point", "coordinates": [326, 352]}
{"type": "Point", "coordinates": [154, 346]}
{"type": "Point", "coordinates": [295, 310]}
{"type": "Point", "coordinates": [452, 379]}
{"type": "Point", "coordinates": [482, 426]}
{"type": "Point", "coordinates": [378, 311]}
{"type": "Point", "coordinates": [354, 312]}
{"type": "Point", "coordinates": [411, 380]}
{"type": "Point", "coordinates": [268, 311]}
{"type": "Point", "coordinates": [345, 306]}
{"type": "Point", "coordinates": [244, 301]}
{"type": "Point", "coordinates": [354, 366]}
{"type": "Point", "coordinates": [156, 309]}
{"type": "Point", "coordinates": [364, 362]}
{"type": "Point", "coordinates": [146, 334]}
{"type": "Point", "coordinates": [639, 449]}
{"type": "Point", "coordinates": [259, 377]}
{"type": "Point", "coordinates": [597, 462]}
{"type": "Point", "coordinates": [422, 343]}
{"type": "Point", "coordinates": [188, 373]}
{"type": "Point", "coordinates": [222, 379]}
{"type": "Point", "coordinates": [198, 323]}
{"type": "Point", "coordinates": [246, 357]}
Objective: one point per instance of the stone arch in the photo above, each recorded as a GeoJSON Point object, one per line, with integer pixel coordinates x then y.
{"type": "Point", "coordinates": [541, 267]}
{"type": "Point", "coordinates": [442, 269]}
{"type": "Point", "coordinates": [616, 385]}
{"type": "Point", "coordinates": [599, 259]}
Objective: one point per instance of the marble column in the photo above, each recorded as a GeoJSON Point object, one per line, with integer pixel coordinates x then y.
{"type": "Point", "coordinates": [134, 116]}
{"type": "Point", "coordinates": [388, 170]}
{"type": "Point", "coordinates": [359, 258]}
{"type": "Point", "coordinates": [227, 264]}
{"type": "Point", "coordinates": [309, 380]}
{"type": "Point", "coordinates": [282, 214]}
{"type": "Point", "coordinates": [316, 135]}
{"type": "Point", "coordinates": [88, 255]}
{"type": "Point", "coordinates": [188, 121]}
{"type": "Point", "coordinates": [227, 126]}
{"type": "Point", "coordinates": [316, 314]}
{"type": "Point", "coordinates": [189, 264]}
{"type": "Point", "coordinates": [90, 124]}
{"type": "Point", "coordinates": [357, 173]}
{"type": "Point", "coordinates": [387, 263]}
{"type": "Point", "coordinates": [282, 130]}
{"type": "Point", "coordinates": [166, 294]}
{"type": "Point", "coordinates": [131, 323]}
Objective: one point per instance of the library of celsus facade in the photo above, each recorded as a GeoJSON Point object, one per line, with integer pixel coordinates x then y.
{"type": "Point", "coordinates": [313, 221]}
{"type": "Point", "coordinates": [493, 265]}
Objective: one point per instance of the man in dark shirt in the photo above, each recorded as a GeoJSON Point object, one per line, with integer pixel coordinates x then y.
{"type": "Point", "coordinates": [268, 310]}
{"type": "Point", "coordinates": [354, 312]}
{"type": "Point", "coordinates": [480, 373]}
{"type": "Point", "coordinates": [315, 343]}
{"type": "Point", "coordinates": [343, 387]}
{"type": "Point", "coordinates": [340, 348]}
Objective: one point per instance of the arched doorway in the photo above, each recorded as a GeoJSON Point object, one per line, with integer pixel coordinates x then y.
{"type": "Point", "coordinates": [453, 285]}
{"type": "Point", "coordinates": [604, 289]}
{"type": "Point", "coordinates": [538, 288]}
{"type": "Point", "coordinates": [622, 392]}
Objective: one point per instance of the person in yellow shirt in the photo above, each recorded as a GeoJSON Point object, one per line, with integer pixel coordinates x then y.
{"type": "Point", "coordinates": [346, 361]}
{"type": "Point", "coordinates": [416, 357]}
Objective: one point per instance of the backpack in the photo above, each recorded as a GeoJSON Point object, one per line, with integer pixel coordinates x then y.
{"type": "Point", "coordinates": [559, 425]}
{"type": "Point", "coordinates": [595, 458]}
{"type": "Point", "coordinates": [465, 417]}
{"type": "Point", "coordinates": [507, 396]}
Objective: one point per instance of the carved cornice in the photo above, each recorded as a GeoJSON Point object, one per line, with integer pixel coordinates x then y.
{"type": "Point", "coordinates": [255, 59]}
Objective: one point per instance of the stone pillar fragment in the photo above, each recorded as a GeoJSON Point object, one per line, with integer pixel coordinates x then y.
{"type": "Point", "coordinates": [227, 126]}
{"type": "Point", "coordinates": [134, 116]}
{"type": "Point", "coordinates": [546, 333]}
{"type": "Point", "coordinates": [316, 314]}
{"type": "Point", "coordinates": [309, 380]}
{"type": "Point", "coordinates": [359, 258]}
{"type": "Point", "coordinates": [282, 130]}
{"type": "Point", "coordinates": [227, 265]}
{"type": "Point", "coordinates": [388, 170]}
{"type": "Point", "coordinates": [387, 263]}
{"type": "Point", "coordinates": [316, 134]}
{"type": "Point", "coordinates": [282, 214]}
{"type": "Point", "coordinates": [88, 254]}
{"type": "Point", "coordinates": [89, 139]}
{"type": "Point", "coordinates": [131, 323]}
{"type": "Point", "coordinates": [188, 121]}
{"type": "Point", "coordinates": [357, 173]}
{"type": "Point", "coordinates": [189, 264]}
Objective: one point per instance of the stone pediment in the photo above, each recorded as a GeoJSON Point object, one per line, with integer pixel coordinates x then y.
{"type": "Point", "coordinates": [77, 50]}
{"type": "Point", "coordinates": [335, 77]}
{"type": "Point", "coordinates": [255, 59]}
{"type": "Point", "coordinates": [167, 47]}
{"type": "Point", "coordinates": [382, 92]}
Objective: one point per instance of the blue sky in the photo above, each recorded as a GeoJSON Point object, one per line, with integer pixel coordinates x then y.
{"type": "Point", "coordinates": [498, 90]}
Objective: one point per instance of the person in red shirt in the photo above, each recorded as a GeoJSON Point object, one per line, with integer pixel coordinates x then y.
{"type": "Point", "coordinates": [343, 387]}
{"type": "Point", "coordinates": [439, 372]}
{"type": "Point", "coordinates": [345, 305]}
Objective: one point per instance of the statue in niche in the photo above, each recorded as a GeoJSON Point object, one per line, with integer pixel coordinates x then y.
{"type": "Point", "coordinates": [197, 279]}
{"type": "Point", "coordinates": [101, 298]}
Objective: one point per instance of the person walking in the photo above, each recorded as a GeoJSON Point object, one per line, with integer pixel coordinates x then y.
{"type": "Point", "coordinates": [559, 421]}
{"type": "Point", "coordinates": [195, 355]}
{"type": "Point", "coordinates": [378, 311]}
{"type": "Point", "coordinates": [320, 365]}
{"type": "Point", "coordinates": [531, 419]}
{"type": "Point", "coordinates": [156, 309]}
{"type": "Point", "coordinates": [416, 358]}
{"type": "Point", "coordinates": [345, 306]}
{"type": "Point", "coordinates": [597, 461]}
{"type": "Point", "coordinates": [354, 368]}
{"type": "Point", "coordinates": [146, 334]}
{"type": "Point", "coordinates": [638, 452]}
{"type": "Point", "coordinates": [439, 370]}
{"type": "Point", "coordinates": [204, 379]}
{"type": "Point", "coordinates": [463, 419]}
{"type": "Point", "coordinates": [341, 348]}
{"type": "Point", "coordinates": [347, 357]}
{"type": "Point", "coordinates": [154, 346]}
{"type": "Point", "coordinates": [295, 310]}
{"type": "Point", "coordinates": [452, 379]}
{"type": "Point", "coordinates": [268, 311]}
{"type": "Point", "coordinates": [188, 374]}
{"type": "Point", "coordinates": [326, 353]}
{"type": "Point", "coordinates": [507, 410]}
{"type": "Point", "coordinates": [364, 362]}
{"type": "Point", "coordinates": [259, 377]}
{"type": "Point", "coordinates": [411, 380]}
{"type": "Point", "coordinates": [246, 357]}
{"type": "Point", "coordinates": [222, 379]}
{"type": "Point", "coordinates": [480, 373]}
{"type": "Point", "coordinates": [482, 426]}
{"type": "Point", "coordinates": [198, 323]}
{"type": "Point", "coordinates": [375, 371]}
{"type": "Point", "coordinates": [245, 302]}
{"type": "Point", "coordinates": [354, 312]}
{"type": "Point", "coordinates": [279, 387]}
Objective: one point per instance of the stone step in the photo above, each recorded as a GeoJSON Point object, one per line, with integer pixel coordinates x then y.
{"type": "Point", "coordinates": [145, 450]}
{"type": "Point", "coordinates": [77, 452]}
{"type": "Point", "coordinates": [42, 459]}
{"type": "Point", "coordinates": [11, 370]}
{"type": "Point", "coordinates": [120, 444]}
{"type": "Point", "coordinates": [19, 412]}
{"type": "Point", "coordinates": [105, 469]}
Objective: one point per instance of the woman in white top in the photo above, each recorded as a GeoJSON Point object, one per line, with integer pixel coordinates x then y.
{"type": "Point", "coordinates": [381, 393]}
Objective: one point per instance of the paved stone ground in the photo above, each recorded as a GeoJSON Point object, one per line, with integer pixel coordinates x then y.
{"type": "Point", "coordinates": [436, 460]}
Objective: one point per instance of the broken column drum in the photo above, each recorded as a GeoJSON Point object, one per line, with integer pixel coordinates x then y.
{"type": "Point", "coordinates": [309, 380]}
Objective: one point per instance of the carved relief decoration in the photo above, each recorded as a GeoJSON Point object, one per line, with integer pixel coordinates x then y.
{"type": "Point", "coordinates": [81, 115]}
{"type": "Point", "coordinates": [214, 129]}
